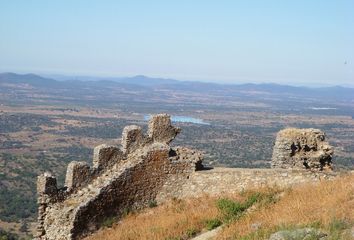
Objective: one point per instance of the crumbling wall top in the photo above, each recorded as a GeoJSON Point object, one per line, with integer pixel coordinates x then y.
{"type": "Point", "coordinates": [132, 138]}
{"type": "Point", "coordinates": [105, 156]}
{"type": "Point", "coordinates": [161, 130]}
{"type": "Point", "coordinates": [46, 184]}
{"type": "Point", "coordinates": [302, 149]}
{"type": "Point", "coordinates": [127, 176]}
{"type": "Point", "coordinates": [77, 174]}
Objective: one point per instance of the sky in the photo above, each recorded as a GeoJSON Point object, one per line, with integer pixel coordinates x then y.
{"type": "Point", "coordinates": [281, 41]}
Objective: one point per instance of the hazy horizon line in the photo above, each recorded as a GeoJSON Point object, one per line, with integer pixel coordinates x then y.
{"type": "Point", "coordinates": [96, 77]}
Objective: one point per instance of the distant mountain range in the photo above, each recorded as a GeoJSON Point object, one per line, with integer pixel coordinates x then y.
{"type": "Point", "coordinates": [140, 81]}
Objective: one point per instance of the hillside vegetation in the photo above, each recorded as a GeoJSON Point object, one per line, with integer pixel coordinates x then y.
{"type": "Point", "coordinates": [254, 214]}
{"type": "Point", "coordinates": [45, 124]}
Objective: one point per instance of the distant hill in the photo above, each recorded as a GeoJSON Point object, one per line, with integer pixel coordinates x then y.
{"type": "Point", "coordinates": [32, 79]}
{"type": "Point", "coordinates": [144, 82]}
{"type": "Point", "coordinates": [136, 80]}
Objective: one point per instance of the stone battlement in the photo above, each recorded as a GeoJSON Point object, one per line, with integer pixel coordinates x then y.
{"type": "Point", "coordinates": [145, 169]}
{"type": "Point", "coordinates": [125, 177]}
{"type": "Point", "coordinates": [80, 174]}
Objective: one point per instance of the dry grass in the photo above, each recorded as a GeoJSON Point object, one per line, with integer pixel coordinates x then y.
{"type": "Point", "coordinates": [304, 205]}
{"type": "Point", "coordinates": [175, 218]}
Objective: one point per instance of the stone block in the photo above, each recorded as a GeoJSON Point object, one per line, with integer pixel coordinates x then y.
{"type": "Point", "coordinates": [161, 130]}
{"type": "Point", "coordinates": [132, 138]}
{"type": "Point", "coordinates": [46, 184]}
{"type": "Point", "coordinates": [77, 174]}
{"type": "Point", "coordinates": [106, 155]}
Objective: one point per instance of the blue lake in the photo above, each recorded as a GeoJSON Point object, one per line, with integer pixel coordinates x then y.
{"type": "Point", "coordinates": [183, 119]}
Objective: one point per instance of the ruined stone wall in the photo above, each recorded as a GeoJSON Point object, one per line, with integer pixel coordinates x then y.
{"type": "Point", "coordinates": [123, 178]}
{"type": "Point", "coordinates": [146, 169]}
{"type": "Point", "coordinates": [302, 149]}
{"type": "Point", "coordinates": [135, 188]}
{"type": "Point", "coordinates": [299, 156]}
{"type": "Point", "coordinates": [219, 181]}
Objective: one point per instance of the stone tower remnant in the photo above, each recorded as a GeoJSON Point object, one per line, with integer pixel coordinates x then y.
{"type": "Point", "coordinates": [302, 149]}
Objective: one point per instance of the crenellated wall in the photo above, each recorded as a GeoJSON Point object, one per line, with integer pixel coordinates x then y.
{"type": "Point", "coordinates": [145, 169]}
{"type": "Point", "coordinates": [121, 178]}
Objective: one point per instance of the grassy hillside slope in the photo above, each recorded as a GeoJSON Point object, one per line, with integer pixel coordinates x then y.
{"type": "Point", "coordinates": [328, 205]}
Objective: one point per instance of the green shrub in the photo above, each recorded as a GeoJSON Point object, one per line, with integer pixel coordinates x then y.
{"type": "Point", "coordinates": [152, 204]}
{"type": "Point", "coordinates": [338, 225]}
{"type": "Point", "coordinates": [108, 222]}
{"type": "Point", "coordinates": [4, 235]}
{"type": "Point", "coordinates": [337, 228]}
{"type": "Point", "coordinates": [126, 211]}
{"type": "Point", "coordinates": [229, 208]}
{"type": "Point", "coordinates": [252, 199]}
{"type": "Point", "coordinates": [212, 223]}
{"type": "Point", "coordinates": [191, 232]}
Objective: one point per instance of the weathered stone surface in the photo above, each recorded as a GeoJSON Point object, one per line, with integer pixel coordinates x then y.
{"type": "Point", "coordinates": [46, 184]}
{"type": "Point", "coordinates": [118, 181]}
{"type": "Point", "coordinates": [147, 170]}
{"type": "Point", "coordinates": [47, 193]}
{"type": "Point", "coordinates": [161, 130]}
{"type": "Point", "coordinates": [220, 181]}
{"type": "Point", "coordinates": [185, 154]}
{"type": "Point", "coordinates": [132, 138]}
{"type": "Point", "coordinates": [77, 174]}
{"type": "Point", "coordinates": [302, 149]}
{"type": "Point", "coordinates": [106, 155]}
{"type": "Point", "coordinates": [299, 234]}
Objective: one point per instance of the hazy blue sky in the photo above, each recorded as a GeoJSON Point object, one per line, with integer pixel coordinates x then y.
{"type": "Point", "coordinates": [280, 41]}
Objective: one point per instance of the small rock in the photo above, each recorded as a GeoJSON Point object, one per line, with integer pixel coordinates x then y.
{"type": "Point", "coordinates": [299, 234]}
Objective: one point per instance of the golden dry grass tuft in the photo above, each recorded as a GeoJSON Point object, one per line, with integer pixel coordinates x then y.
{"type": "Point", "coordinates": [319, 204]}
{"type": "Point", "coordinates": [175, 218]}
{"type": "Point", "coordinates": [306, 205]}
